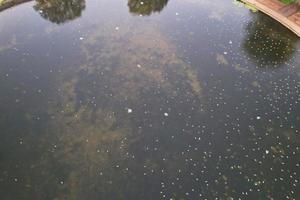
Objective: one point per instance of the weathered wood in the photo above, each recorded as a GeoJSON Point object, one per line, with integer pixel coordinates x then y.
{"type": "Point", "coordinates": [287, 15]}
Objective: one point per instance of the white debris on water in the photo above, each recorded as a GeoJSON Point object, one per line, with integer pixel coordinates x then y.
{"type": "Point", "coordinates": [267, 151]}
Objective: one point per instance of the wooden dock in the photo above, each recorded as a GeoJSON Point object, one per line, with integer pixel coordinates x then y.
{"type": "Point", "coordinates": [287, 15]}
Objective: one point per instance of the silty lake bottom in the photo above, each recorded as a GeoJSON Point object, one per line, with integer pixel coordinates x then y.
{"type": "Point", "coordinates": [147, 100]}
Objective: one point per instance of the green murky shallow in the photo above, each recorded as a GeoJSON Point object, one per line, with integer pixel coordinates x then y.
{"type": "Point", "coordinates": [147, 100]}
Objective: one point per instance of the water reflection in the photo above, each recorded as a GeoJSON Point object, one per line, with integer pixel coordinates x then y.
{"type": "Point", "coordinates": [267, 42]}
{"type": "Point", "coordinates": [56, 11]}
{"type": "Point", "coordinates": [60, 11]}
{"type": "Point", "coordinates": [146, 7]}
{"type": "Point", "coordinates": [122, 113]}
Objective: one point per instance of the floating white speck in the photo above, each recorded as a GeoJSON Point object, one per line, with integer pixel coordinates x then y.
{"type": "Point", "coordinates": [230, 42]}
{"type": "Point", "coordinates": [258, 117]}
{"type": "Point", "coordinates": [267, 151]}
{"type": "Point", "coordinates": [117, 28]}
{"type": "Point", "coordinates": [61, 182]}
{"type": "Point", "coordinates": [177, 14]}
{"type": "Point", "coordinates": [225, 53]}
{"type": "Point", "coordinates": [139, 66]}
{"type": "Point", "coordinates": [129, 110]}
{"type": "Point", "coordinates": [81, 38]}
{"type": "Point", "coordinates": [166, 114]}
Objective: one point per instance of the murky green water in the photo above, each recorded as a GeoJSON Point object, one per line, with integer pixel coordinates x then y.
{"type": "Point", "coordinates": [116, 99]}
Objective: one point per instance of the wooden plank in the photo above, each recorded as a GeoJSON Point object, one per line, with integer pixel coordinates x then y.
{"type": "Point", "coordinates": [271, 8]}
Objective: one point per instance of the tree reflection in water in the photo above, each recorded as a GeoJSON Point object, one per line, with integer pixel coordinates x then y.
{"type": "Point", "coordinates": [60, 11]}
{"type": "Point", "coordinates": [56, 11]}
{"type": "Point", "coordinates": [146, 7]}
{"type": "Point", "coordinates": [268, 44]}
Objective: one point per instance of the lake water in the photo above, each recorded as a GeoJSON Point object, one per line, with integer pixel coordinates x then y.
{"type": "Point", "coordinates": [146, 100]}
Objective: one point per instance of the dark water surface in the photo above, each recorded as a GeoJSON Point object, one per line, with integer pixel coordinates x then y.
{"type": "Point", "coordinates": [146, 100]}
